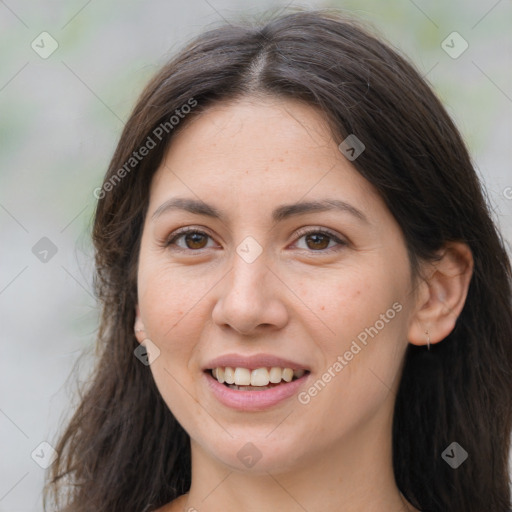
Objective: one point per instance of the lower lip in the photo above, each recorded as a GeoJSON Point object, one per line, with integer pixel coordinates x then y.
{"type": "Point", "coordinates": [253, 400]}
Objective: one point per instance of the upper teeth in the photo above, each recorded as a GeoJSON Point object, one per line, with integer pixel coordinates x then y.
{"type": "Point", "coordinates": [258, 377]}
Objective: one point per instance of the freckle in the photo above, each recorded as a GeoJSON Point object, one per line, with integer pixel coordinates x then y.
{"type": "Point", "coordinates": [322, 307]}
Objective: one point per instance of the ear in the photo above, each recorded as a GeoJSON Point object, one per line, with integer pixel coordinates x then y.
{"type": "Point", "coordinates": [140, 330]}
{"type": "Point", "coordinates": [442, 295]}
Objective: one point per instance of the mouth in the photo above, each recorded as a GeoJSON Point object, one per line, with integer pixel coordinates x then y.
{"type": "Point", "coordinates": [254, 389]}
{"type": "Point", "coordinates": [259, 379]}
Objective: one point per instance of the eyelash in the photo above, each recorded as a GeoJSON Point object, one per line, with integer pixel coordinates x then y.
{"type": "Point", "coordinates": [299, 234]}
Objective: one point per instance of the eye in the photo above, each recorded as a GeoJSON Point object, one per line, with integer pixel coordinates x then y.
{"type": "Point", "coordinates": [319, 240]}
{"type": "Point", "coordinates": [189, 239]}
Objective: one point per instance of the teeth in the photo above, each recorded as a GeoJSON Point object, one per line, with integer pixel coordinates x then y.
{"type": "Point", "coordinates": [260, 377]}
{"type": "Point", "coordinates": [240, 378]}
{"type": "Point", "coordinates": [287, 374]}
{"type": "Point", "coordinates": [276, 375]}
{"type": "Point", "coordinates": [229, 375]}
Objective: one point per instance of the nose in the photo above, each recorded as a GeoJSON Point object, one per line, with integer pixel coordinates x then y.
{"type": "Point", "coordinates": [251, 299]}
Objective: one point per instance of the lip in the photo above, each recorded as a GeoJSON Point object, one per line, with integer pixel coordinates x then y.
{"type": "Point", "coordinates": [253, 400]}
{"type": "Point", "coordinates": [253, 362]}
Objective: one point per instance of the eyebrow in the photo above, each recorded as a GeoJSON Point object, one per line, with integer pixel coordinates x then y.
{"type": "Point", "coordinates": [279, 214]}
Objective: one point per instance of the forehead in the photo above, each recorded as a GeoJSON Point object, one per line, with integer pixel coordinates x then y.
{"type": "Point", "coordinates": [262, 149]}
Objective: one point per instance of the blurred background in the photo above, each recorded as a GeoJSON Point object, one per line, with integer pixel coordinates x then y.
{"type": "Point", "coordinates": [70, 73]}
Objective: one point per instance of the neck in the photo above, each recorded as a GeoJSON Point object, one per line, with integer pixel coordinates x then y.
{"type": "Point", "coordinates": [356, 476]}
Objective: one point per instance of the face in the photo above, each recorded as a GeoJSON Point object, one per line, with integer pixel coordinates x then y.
{"type": "Point", "coordinates": [266, 257]}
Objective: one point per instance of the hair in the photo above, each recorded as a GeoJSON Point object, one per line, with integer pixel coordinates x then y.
{"type": "Point", "coordinates": [124, 450]}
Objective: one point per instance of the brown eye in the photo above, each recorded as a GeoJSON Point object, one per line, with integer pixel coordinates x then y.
{"type": "Point", "coordinates": [196, 240]}
{"type": "Point", "coordinates": [317, 241]}
{"type": "Point", "coordinates": [190, 239]}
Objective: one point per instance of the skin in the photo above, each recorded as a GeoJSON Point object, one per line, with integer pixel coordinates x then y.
{"type": "Point", "coordinates": [299, 299]}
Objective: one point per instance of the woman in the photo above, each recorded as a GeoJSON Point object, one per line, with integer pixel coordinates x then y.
{"type": "Point", "coordinates": [306, 305]}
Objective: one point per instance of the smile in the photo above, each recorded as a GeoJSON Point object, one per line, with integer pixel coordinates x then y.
{"type": "Point", "coordinates": [253, 390]}
{"type": "Point", "coordinates": [244, 379]}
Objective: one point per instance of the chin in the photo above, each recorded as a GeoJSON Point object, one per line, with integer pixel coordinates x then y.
{"type": "Point", "coordinates": [258, 453]}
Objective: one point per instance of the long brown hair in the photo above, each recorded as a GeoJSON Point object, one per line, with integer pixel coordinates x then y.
{"type": "Point", "coordinates": [124, 450]}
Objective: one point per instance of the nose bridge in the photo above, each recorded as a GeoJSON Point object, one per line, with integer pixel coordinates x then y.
{"type": "Point", "coordinates": [249, 297]}
{"type": "Point", "coordinates": [249, 265]}
{"type": "Point", "coordinates": [248, 278]}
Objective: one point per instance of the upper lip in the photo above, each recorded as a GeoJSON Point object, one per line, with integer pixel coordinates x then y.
{"type": "Point", "coordinates": [252, 362]}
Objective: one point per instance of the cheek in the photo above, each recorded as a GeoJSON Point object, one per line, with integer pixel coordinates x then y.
{"type": "Point", "coordinates": [169, 300]}
{"type": "Point", "coordinates": [348, 300]}
{"type": "Point", "coordinates": [171, 307]}
{"type": "Point", "coordinates": [365, 315]}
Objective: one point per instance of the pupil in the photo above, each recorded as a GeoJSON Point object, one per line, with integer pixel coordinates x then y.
{"type": "Point", "coordinates": [319, 241]}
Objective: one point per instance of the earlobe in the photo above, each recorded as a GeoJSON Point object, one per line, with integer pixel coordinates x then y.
{"type": "Point", "coordinates": [140, 331]}
{"type": "Point", "coordinates": [443, 295]}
